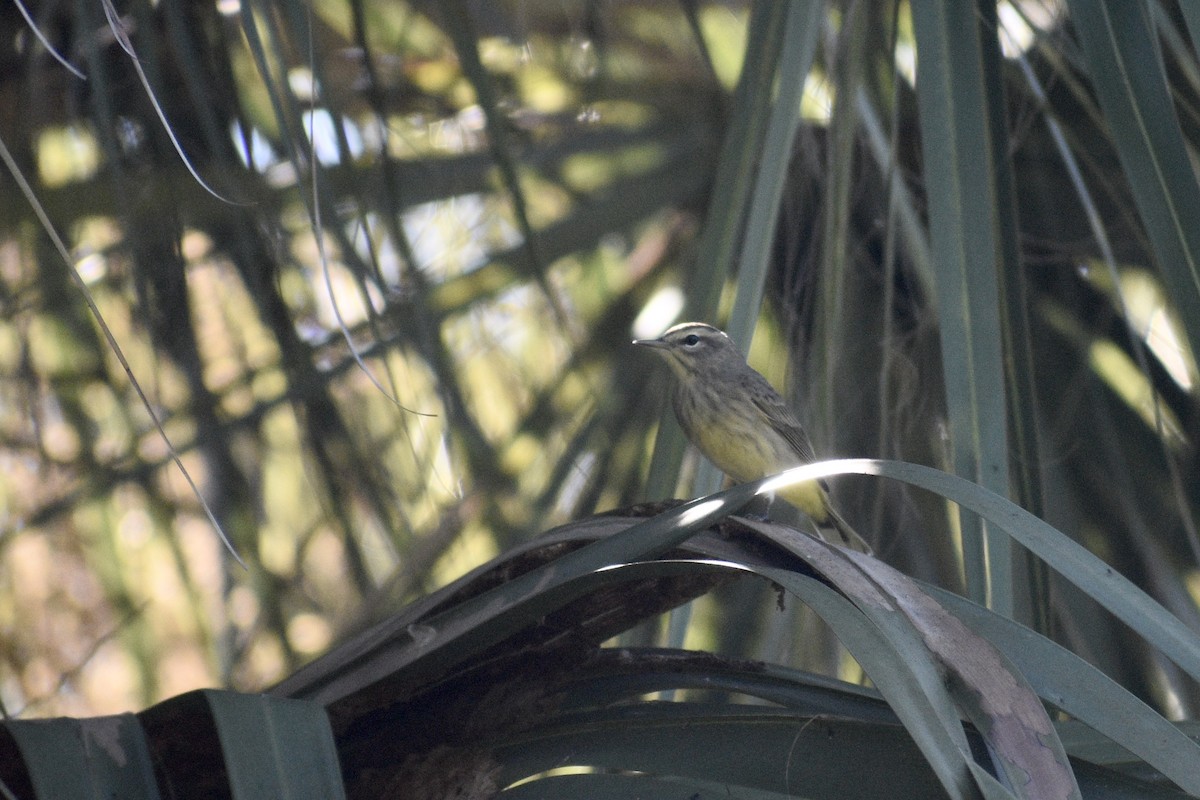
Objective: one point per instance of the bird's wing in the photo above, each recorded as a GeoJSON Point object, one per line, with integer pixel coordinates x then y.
{"type": "Point", "coordinates": [780, 417]}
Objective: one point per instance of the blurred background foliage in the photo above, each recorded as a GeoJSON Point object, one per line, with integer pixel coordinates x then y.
{"type": "Point", "coordinates": [378, 271]}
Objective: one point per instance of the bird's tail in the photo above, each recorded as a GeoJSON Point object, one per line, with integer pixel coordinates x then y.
{"type": "Point", "coordinates": [844, 534]}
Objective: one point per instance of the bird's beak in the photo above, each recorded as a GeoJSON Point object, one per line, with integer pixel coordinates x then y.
{"type": "Point", "coordinates": [657, 344]}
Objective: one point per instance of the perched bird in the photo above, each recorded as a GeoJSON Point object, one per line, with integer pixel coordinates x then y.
{"type": "Point", "coordinates": [739, 421]}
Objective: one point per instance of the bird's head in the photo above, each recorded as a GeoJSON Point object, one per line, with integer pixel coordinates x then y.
{"type": "Point", "coordinates": [696, 350]}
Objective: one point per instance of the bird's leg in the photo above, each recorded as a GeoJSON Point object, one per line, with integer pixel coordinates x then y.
{"type": "Point", "coordinates": [759, 508]}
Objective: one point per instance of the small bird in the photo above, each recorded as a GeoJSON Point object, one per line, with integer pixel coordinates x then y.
{"type": "Point", "coordinates": [738, 420]}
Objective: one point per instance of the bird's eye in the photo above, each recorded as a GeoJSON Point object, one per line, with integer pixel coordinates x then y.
{"type": "Point", "coordinates": [691, 340]}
